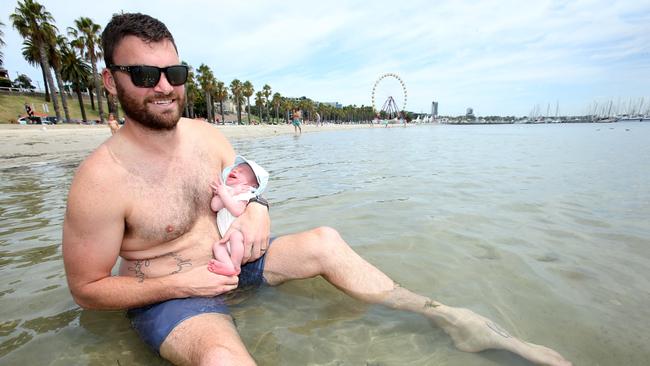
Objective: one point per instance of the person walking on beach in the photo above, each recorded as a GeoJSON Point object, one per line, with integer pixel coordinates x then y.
{"type": "Point", "coordinates": [112, 123]}
{"type": "Point", "coordinates": [175, 303]}
{"type": "Point", "coordinates": [297, 115]}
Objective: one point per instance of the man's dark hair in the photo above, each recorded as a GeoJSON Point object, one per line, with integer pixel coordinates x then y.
{"type": "Point", "coordinates": [143, 26]}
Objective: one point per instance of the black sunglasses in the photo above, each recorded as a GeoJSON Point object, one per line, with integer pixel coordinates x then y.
{"type": "Point", "coordinates": [144, 76]}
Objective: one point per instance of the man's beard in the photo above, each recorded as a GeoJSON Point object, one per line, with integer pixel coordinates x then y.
{"type": "Point", "coordinates": [139, 112]}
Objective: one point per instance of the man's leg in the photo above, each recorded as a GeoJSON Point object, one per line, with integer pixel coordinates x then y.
{"type": "Point", "coordinates": [206, 339]}
{"type": "Point", "coordinates": [323, 252]}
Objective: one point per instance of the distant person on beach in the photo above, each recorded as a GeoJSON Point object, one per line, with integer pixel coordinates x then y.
{"type": "Point", "coordinates": [30, 112]}
{"type": "Point", "coordinates": [243, 181]}
{"type": "Point", "coordinates": [318, 121]}
{"type": "Point", "coordinates": [144, 196]}
{"type": "Point", "coordinates": [112, 123]}
{"type": "Point", "coordinates": [297, 115]}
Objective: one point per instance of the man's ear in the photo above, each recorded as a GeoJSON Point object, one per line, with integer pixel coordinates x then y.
{"type": "Point", "coordinates": [109, 81]}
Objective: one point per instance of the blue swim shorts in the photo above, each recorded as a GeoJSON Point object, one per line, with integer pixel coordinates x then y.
{"type": "Point", "coordinates": [154, 322]}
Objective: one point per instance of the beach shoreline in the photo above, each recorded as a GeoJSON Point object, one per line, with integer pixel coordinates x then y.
{"type": "Point", "coordinates": [27, 144]}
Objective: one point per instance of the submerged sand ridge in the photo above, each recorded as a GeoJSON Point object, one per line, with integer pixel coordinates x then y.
{"type": "Point", "coordinates": [28, 144]}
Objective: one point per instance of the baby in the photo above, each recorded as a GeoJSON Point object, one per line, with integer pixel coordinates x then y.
{"type": "Point", "coordinates": [243, 181]}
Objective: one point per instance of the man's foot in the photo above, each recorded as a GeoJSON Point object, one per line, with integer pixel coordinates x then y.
{"type": "Point", "coordinates": [222, 268]}
{"type": "Point", "coordinates": [474, 333]}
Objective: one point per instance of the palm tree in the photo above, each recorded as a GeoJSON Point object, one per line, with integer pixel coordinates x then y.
{"type": "Point", "coordinates": [191, 91]}
{"type": "Point", "coordinates": [34, 24]}
{"type": "Point", "coordinates": [276, 101]}
{"type": "Point", "coordinates": [87, 38]}
{"type": "Point", "coordinates": [32, 56]}
{"type": "Point", "coordinates": [260, 103]}
{"type": "Point", "coordinates": [220, 95]}
{"type": "Point", "coordinates": [247, 91]}
{"type": "Point", "coordinates": [2, 43]}
{"type": "Point", "coordinates": [55, 55]}
{"type": "Point", "coordinates": [266, 90]}
{"type": "Point", "coordinates": [75, 70]}
{"type": "Point", "coordinates": [237, 97]}
{"type": "Point", "coordinates": [207, 81]}
{"type": "Point", "coordinates": [286, 105]}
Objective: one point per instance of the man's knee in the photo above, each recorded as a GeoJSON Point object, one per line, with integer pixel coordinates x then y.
{"type": "Point", "coordinates": [325, 242]}
{"type": "Point", "coordinates": [223, 355]}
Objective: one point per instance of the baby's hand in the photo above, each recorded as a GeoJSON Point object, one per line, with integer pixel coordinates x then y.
{"type": "Point", "coordinates": [242, 188]}
{"type": "Point", "coordinates": [216, 185]}
{"type": "Point", "coordinates": [223, 190]}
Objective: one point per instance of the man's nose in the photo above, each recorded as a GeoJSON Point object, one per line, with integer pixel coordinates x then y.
{"type": "Point", "coordinates": [163, 85]}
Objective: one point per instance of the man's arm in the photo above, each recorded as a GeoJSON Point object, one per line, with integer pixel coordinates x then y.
{"type": "Point", "coordinates": [92, 237]}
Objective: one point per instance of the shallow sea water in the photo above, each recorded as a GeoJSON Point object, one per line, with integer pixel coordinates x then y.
{"type": "Point", "coordinates": [542, 228]}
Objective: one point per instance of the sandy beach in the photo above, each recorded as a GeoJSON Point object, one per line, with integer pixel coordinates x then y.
{"type": "Point", "coordinates": [25, 144]}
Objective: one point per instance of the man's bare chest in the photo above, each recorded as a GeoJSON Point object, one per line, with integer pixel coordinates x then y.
{"type": "Point", "coordinates": [165, 203]}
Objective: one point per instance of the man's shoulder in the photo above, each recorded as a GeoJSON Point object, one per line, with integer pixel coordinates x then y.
{"type": "Point", "coordinates": [201, 130]}
{"type": "Point", "coordinates": [100, 166]}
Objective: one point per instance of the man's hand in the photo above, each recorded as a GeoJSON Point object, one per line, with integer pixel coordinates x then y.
{"type": "Point", "coordinates": [255, 225]}
{"type": "Point", "coordinates": [200, 282]}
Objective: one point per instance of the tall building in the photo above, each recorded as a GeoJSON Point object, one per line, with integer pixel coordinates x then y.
{"type": "Point", "coordinates": [470, 113]}
{"type": "Point", "coordinates": [434, 109]}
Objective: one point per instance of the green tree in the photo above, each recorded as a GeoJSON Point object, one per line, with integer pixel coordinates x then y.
{"type": "Point", "coordinates": [55, 56]}
{"type": "Point", "coordinates": [34, 24]}
{"type": "Point", "coordinates": [191, 92]}
{"type": "Point", "coordinates": [207, 81]}
{"type": "Point", "coordinates": [287, 107]}
{"type": "Point", "coordinates": [220, 95]}
{"type": "Point", "coordinates": [277, 101]}
{"type": "Point", "coordinates": [260, 103]}
{"type": "Point", "coordinates": [87, 39]}
{"type": "Point", "coordinates": [32, 56]}
{"type": "Point", "coordinates": [75, 70]}
{"type": "Point", "coordinates": [266, 90]}
{"type": "Point", "coordinates": [247, 91]}
{"type": "Point", "coordinates": [23, 82]}
{"type": "Point", "coordinates": [237, 97]}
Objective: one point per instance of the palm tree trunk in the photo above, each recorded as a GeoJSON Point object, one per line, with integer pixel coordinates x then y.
{"type": "Point", "coordinates": [81, 105]}
{"type": "Point", "coordinates": [239, 114]}
{"type": "Point", "coordinates": [64, 97]}
{"type": "Point", "coordinates": [223, 119]}
{"type": "Point", "coordinates": [116, 107]}
{"type": "Point", "coordinates": [214, 111]}
{"type": "Point", "coordinates": [186, 110]}
{"type": "Point", "coordinates": [208, 109]}
{"type": "Point", "coordinates": [248, 104]}
{"type": "Point", "coordinates": [93, 60]}
{"type": "Point", "coordinates": [47, 90]}
{"type": "Point", "coordinates": [92, 98]}
{"type": "Point", "coordinates": [50, 80]}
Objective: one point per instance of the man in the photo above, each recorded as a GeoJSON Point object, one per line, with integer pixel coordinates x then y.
{"type": "Point", "coordinates": [144, 196]}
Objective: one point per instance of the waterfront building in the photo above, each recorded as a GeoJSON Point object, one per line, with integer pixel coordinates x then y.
{"type": "Point", "coordinates": [434, 109]}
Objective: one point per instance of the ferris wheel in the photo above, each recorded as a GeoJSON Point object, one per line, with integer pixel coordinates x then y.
{"type": "Point", "coordinates": [390, 90]}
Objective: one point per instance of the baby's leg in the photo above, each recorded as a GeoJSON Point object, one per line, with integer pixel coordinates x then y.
{"type": "Point", "coordinates": [222, 264]}
{"type": "Point", "coordinates": [236, 249]}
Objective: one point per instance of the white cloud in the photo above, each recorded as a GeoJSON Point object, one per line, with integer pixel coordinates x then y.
{"type": "Point", "coordinates": [500, 57]}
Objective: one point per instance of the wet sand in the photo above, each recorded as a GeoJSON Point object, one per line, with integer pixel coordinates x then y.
{"type": "Point", "coordinates": [24, 144]}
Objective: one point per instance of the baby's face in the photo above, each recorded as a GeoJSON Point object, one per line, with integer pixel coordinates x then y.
{"type": "Point", "coordinates": [242, 174]}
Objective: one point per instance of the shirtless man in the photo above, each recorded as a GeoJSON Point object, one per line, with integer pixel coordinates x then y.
{"type": "Point", "coordinates": [114, 211]}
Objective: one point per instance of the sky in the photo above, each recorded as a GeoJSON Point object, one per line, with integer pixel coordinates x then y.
{"type": "Point", "coordinates": [497, 57]}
